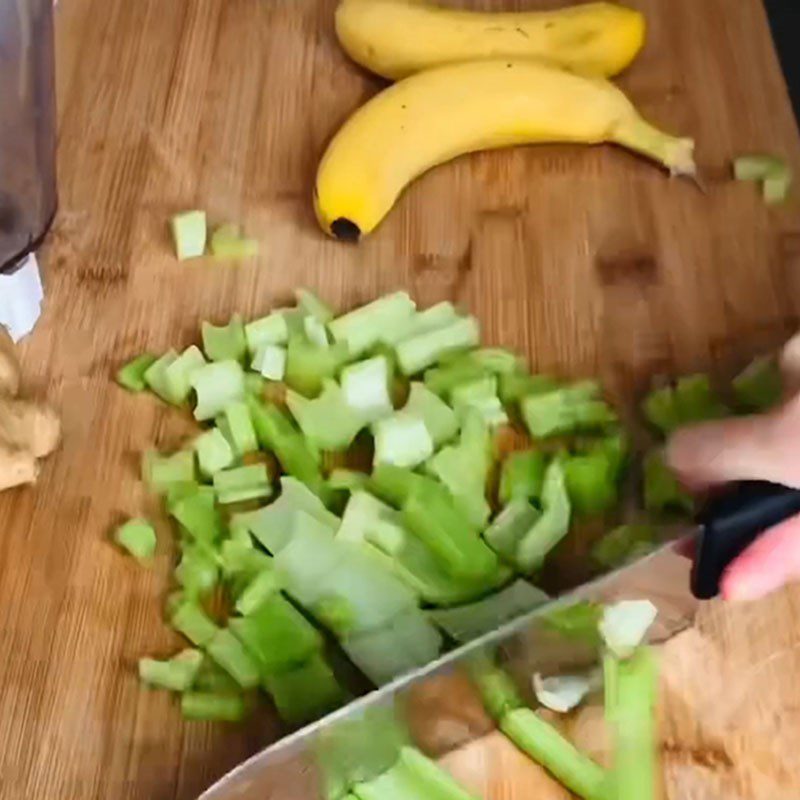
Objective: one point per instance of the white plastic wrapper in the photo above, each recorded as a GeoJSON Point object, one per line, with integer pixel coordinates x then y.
{"type": "Point", "coordinates": [21, 296]}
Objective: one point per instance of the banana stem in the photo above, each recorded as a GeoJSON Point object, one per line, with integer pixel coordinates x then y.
{"type": "Point", "coordinates": [677, 155]}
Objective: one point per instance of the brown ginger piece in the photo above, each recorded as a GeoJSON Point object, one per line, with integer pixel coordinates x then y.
{"type": "Point", "coordinates": [25, 425]}
{"type": "Point", "coordinates": [17, 467]}
{"type": "Point", "coordinates": [9, 366]}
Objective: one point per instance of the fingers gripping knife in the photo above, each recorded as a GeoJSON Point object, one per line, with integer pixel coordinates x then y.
{"type": "Point", "coordinates": [27, 156]}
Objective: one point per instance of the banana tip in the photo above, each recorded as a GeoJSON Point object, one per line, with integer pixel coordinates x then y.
{"type": "Point", "coordinates": [345, 230]}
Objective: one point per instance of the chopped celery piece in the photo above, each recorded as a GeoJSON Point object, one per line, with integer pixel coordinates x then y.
{"type": "Point", "coordinates": [497, 689]}
{"type": "Point", "coordinates": [542, 742]}
{"type": "Point", "coordinates": [197, 572]}
{"type": "Point", "coordinates": [189, 619]}
{"type": "Point", "coordinates": [696, 401]}
{"type": "Point", "coordinates": [307, 364]}
{"type": "Point", "coordinates": [775, 188]}
{"type": "Point", "coordinates": [431, 514]}
{"type": "Point", "coordinates": [277, 635]}
{"type": "Point", "coordinates": [213, 706]}
{"type": "Point", "coordinates": [212, 678]}
{"type": "Point", "coordinates": [366, 326]}
{"type": "Point", "coordinates": [155, 377]}
{"type": "Point", "coordinates": [239, 428]}
{"type": "Point", "coordinates": [522, 476]}
{"type": "Point", "coordinates": [471, 621]}
{"type": "Point", "coordinates": [162, 472]}
{"type": "Point", "coordinates": [264, 584]}
{"type": "Point", "coordinates": [189, 233]}
{"type": "Point", "coordinates": [759, 386]}
{"type": "Point", "coordinates": [442, 380]}
{"type": "Point", "coordinates": [131, 375]}
{"type": "Point", "coordinates": [313, 306]}
{"type": "Point", "coordinates": [480, 396]}
{"type": "Point", "coordinates": [229, 653]}
{"type": "Point", "coordinates": [440, 420]}
{"type": "Point", "coordinates": [552, 526]}
{"type": "Point", "coordinates": [226, 342]}
{"type": "Point", "coordinates": [327, 421]}
{"type": "Point", "coordinates": [561, 693]}
{"type": "Point", "coordinates": [634, 775]}
{"type": "Point", "coordinates": [591, 482]}
{"type": "Point", "coordinates": [420, 352]}
{"type": "Point", "coordinates": [241, 562]}
{"type": "Point", "coordinates": [348, 480]}
{"type": "Point", "coordinates": [393, 484]}
{"type": "Point", "coordinates": [177, 674]}
{"type": "Point", "coordinates": [661, 411]}
{"type": "Point", "coordinates": [494, 360]}
{"type": "Point", "coordinates": [197, 513]}
{"type": "Point", "coordinates": [516, 385]}
{"type": "Point", "coordinates": [408, 642]}
{"type": "Point", "coordinates": [624, 625]}
{"type": "Point", "coordinates": [275, 432]}
{"type": "Point", "coordinates": [255, 384]}
{"type": "Point", "coordinates": [757, 167]}
{"type": "Point", "coordinates": [213, 452]}
{"type": "Point", "coordinates": [579, 621]}
{"type": "Point", "coordinates": [402, 440]}
{"type": "Point", "coordinates": [178, 375]}
{"type": "Point", "coordinates": [272, 329]}
{"type": "Point", "coordinates": [510, 527]}
{"type": "Point", "coordinates": [217, 385]}
{"type": "Point", "coordinates": [242, 483]}
{"type": "Point", "coordinates": [227, 242]}
{"type": "Point", "coordinates": [305, 692]}
{"type": "Point", "coordinates": [138, 537]}
{"type": "Point", "coordinates": [438, 316]}
{"type": "Point", "coordinates": [663, 493]}
{"type": "Point", "coordinates": [413, 777]}
{"type": "Point", "coordinates": [566, 410]}
{"type": "Point", "coordinates": [363, 513]}
{"type": "Point", "coordinates": [624, 544]}
{"type": "Point", "coordinates": [316, 332]}
{"type": "Point", "coordinates": [365, 386]}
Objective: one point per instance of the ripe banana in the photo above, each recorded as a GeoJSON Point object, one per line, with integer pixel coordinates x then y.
{"type": "Point", "coordinates": [396, 38]}
{"type": "Point", "coordinates": [435, 116]}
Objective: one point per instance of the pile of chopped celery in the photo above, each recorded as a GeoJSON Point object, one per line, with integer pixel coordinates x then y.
{"type": "Point", "coordinates": [433, 544]}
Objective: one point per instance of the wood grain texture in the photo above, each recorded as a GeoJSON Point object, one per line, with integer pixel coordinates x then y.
{"type": "Point", "coordinates": [589, 261]}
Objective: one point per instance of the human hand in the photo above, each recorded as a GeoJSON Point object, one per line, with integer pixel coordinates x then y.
{"type": "Point", "coordinates": [764, 447]}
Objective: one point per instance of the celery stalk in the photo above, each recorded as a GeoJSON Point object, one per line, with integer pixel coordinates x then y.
{"type": "Point", "coordinates": [623, 545]}
{"type": "Point", "coordinates": [316, 332]}
{"type": "Point", "coordinates": [480, 396]}
{"type": "Point", "coordinates": [229, 653]}
{"type": "Point", "coordinates": [438, 316]}
{"type": "Point", "coordinates": [313, 306]}
{"type": "Point", "coordinates": [522, 476]}
{"type": "Point", "coordinates": [366, 326]}
{"type": "Point", "coordinates": [217, 385]}
{"type": "Point", "coordinates": [445, 378]}
{"type": "Point", "coordinates": [138, 537]}
{"type": "Point", "coordinates": [393, 484]}
{"type": "Point", "coordinates": [272, 329]}
{"type": "Point", "coordinates": [759, 386]}
{"type": "Point", "coordinates": [131, 375]}
{"type": "Point", "coordinates": [242, 483]}
{"type": "Point", "coordinates": [189, 233]}
{"type": "Point", "coordinates": [178, 375]}
{"type": "Point", "coordinates": [177, 674]}
{"type": "Point", "coordinates": [327, 421]}
{"type": "Point", "coordinates": [440, 420]}
{"type": "Point", "coordinates": [510, 527]}
{"type": "Point", "coordinates": [420, 352]}
{"type": "Point", "coordinates": [227, 242]}
{"type": "Point", "coordinates": [263, 585]}
{"type": "Point", "coordinates": [226, 342]}
{"type": "Point", "coordinates": [239, 428]}
{"type": "Point", "coordinates": [212, 678]}
{"type": "Point", "coordinates": [663, 494]}
{"type": "Point", "coordinates": [579, 621]}
{"type": "Point", "coordinates": [756, 166]}
{"type": "Point", "coordinates": [189, 619]}
{"type": "Point", "coordinates": [696, 401]}
{"type": "Point", "coordinates": [347, 480]}
{"type": "Point", "coordinates": [402, 440]}
{"type": "Point", "coordinates": [591, 482]}
{"type": "Point", "coordinates": [307, 364]}
{"type": "Point", "coordinates": [213, 706]}
{"type": "Point", "coordinates": [214, 453]}
{"type": "Point", "coordinates": [567, 410]}
{"type": "Point", "coordinates": [365, 388]}
{"type": "Point", "coordinates": [155, 377]}
{"type": "Point", "coordinates": [197, 513]}
{"type": "Point", "coordinates": [497, 689]}
{"type": "Point", "coordinates": [516, 385]}
{"type": "Point", "coordinates": [161, 472]}
{"type": "Point", "coordinates": [197, 572]}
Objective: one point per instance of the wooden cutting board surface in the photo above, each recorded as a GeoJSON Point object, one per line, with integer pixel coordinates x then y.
{"type": "Point", "coordinates": [590, 261]}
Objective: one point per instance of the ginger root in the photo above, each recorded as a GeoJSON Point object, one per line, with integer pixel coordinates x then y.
{"type": "Point", "coordinates": [9, 366]}
{"type": "Point", "coordinates": [17, 467]}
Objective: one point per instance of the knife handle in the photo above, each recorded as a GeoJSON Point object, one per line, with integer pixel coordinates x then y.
{"type": "Point", "coordinates": [731, 521]}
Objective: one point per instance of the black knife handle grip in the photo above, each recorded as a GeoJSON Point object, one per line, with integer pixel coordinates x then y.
{"type": "Point", "coordinates": [731, 521]}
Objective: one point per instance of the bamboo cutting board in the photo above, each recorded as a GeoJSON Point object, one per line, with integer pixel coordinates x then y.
{"type": "Point", "coordinates": [588, 260]}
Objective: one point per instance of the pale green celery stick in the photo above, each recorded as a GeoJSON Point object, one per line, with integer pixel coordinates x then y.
{"type": "Point", "coordinates": [775, 188]}
{"type": "Point", "coordinates": [757, 166]}
{"type": "Point", "coordinates": [197, 513]}
{"type": "Point", "coordinates": [242, 483]}
{"type": "Point", "coordinates": [552, 526]}
{"type": "Point", "coordinates": [307, 364]}
{"type": "Point", "coordinates": [161, 472]}
{"type": "Point", "coordinates": [695, 400]}
{"type": "Point", "coordinates": [217, 385]}
{"type": "Point", "coordinates": [542, 742]}
{"type": "Point", "coordinates": [438, 316]}
{"type": "Point", "coordinates": [227, 242]}
{"type": "Point", "coordinates": [131, 375]}
{"type": "Point", "coordinates": [591, 482]}
{"type": "Point", "coordinates": [516, 385]}
{"type": "Point", "coordinates": [405, 644]}
{"type": "Point", "coordinates": [568, 410]}
{"type": "Point", "coordinates": [305, 692]}
{"type": "Point", "coordinates": [393, 484]}
{"type": "Point", "coordinates": [663, 493]}
{"type": "Point", "coordinates": [178, 375]}
{"type": "Point", "coordinates": [420, 352]}
{"type": "Point", "coordinates": [362, 513]}
{"type": "Point", "coordinates": [155, 377]}
{"type": "Point", "coordinates": [138, 537]}
{"type": "Point", "coordinates": [198, 572]}
{"type": "Point", "coordinates": [498, 360]}
{"type": "Point", "coordinates": [177, 674]}
{"type": "Point", "coordinates": [431, 514]}
{"type": "Point", "coordinates": [264, 584]}
{"type": "Point", "coordinates": [480, 396]}
{"type": "Point", "coordinates": [471, 621]}
{"type": "Point", "coordinates": [497, 689]}
{"type": "Point", "coordinates": [365, 388]}
{"type": "Point", "coordinates": [635, 772]}
{"type": "Point", "coordinates": [313, 306]}
{"type": "Point", "coordinates": [316, 332]}
{"type": "Point", "coordinates": [624, 544]}
{"type": "Point", "coordinates": [230, 654]}
{"type": "Point", "coordinates": [443, 379]}
{"type": "Point", "coordinates": [212, 678]}
{"type": "Point", "coordinates": [522, 476]}
{"type": "Point", "coordinates": [510, 527]}
{"type": "Point", "coordinates": [239, 428]}
{"type": "Point", "coordinates": [277, 635]}
{"type": "Point", "coordinates": [759, 386]}
{"type": "Point", "coordinates": [213, 706]}
{"type": "Point", "coordinates": [189, 619]}
{"type": "Point", "coordinates": [276, 432]}
{"type": "Point", "coordinates": [226, 342]}
{"type": "Point", "coordinates": [255, 384]}
{"type": "Point", "coordinates": [272, 329]}
{"type": "Point", "coordinates": [367, 326]}
{"type": "Point", "coordinates": [348, 480]}
{"type": "Point", "coordinates": [272, 524]}
{"type": "Point", "coordinates": [578, 620]}
{"type": "Point", "coordinates": [440, 420]}
{"type": "Point", "coordinates": [213, 452]}
{"type": "Point", "coordinates": [402, 440]}
{"type": "Point", "coordinates": [189, 233]}
{"type": "Point", "coordinates": [327, 421]}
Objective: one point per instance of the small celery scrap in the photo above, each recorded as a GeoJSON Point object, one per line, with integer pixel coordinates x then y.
{"type": "Point", "coordinates": [663, 493]}
{"type": "Point", "coordinates": [194, 507]}
{"type": "Point", "coordinates": [510, 527]}
{"type": "Point", "coordinates": [155, 377]}
{"type": "Point", "coordinates": [624, 544]}
{"type": "Point", "coordinates": [214, 452]}
{"type": "Point", "coordinates": [691, 399]}
{"type": "Point", "coordinates": [237, 426]}
{"type": "Point", "coordinates": [269, 361]}
{"type": "Point", "coordinates": [591, 477]}
{"type": "Point", "coordinates": [402, 440]}
{"type": "Point", "coordinates": [522, 476]}
{"type": "Point", "coordinates": [242, 483]}
{"type": "Point", "coordinates": [217, 385]}
{"type": "Point", "coordinates": [479, 397]}
{"type": "Point", "coordinates": [365, 327]}
{"type": "Point", "coordinates": [138, 537]}
{"type": "Point", "coordinates": [131, 375]}
{"type": "Point", "coordinates": [160, 473]}
{"type": "Point", "coordinates": [438, 316]}
{"type": "Point", "coordinates": [308, 364]}
{"type": "Point", "coordinates": [226, 342]}
{"type": "Point", "coordinates": [327, 421]}
{"type": "Point", "coordinates": [518, 384]}
{"type": "Point", "coordinates": [759, 386]}
{"type": "Point", "coordinates": [316, 332]}
{"type": "Point", "coordinates": [197, 572]}
{"type": "Point", "coordinates": [577, 621]}
{"type": "Point", "coordinates": [312, 306]}
{"type": "Point", "coordinates": [230, 654]}
{"type": "Point", "coordinates": [624, 625]}
{"type": "Point", "coordinates": [773, 172]}
{"type": "Point", "coordinates": [419, 352]}
{"type": "Point", "coordinates": [188, 618]}
{"type": "Point", "coordinates": [365, 386]}
{"type": "Point", "coordinates": [440, 420]}
{"type": "Point", "coordinates": [571, 409]}
{"type": "Point", "coordinates": [176, 674]}
{"type": "Point", "coordinates": [347, 480]}
{"type": "Point", "coordinates": [178, 375]}
{"type": "Point", "coordinates": [272, 329]}
{"type": "Point", "coordinates": [227, 242]}
{"type": "Point", "coordinates": [213, 706]}
{"type": "Point", "coordinates": [265, 583]}
{"type": "Point", "coordinates": [189, 233]}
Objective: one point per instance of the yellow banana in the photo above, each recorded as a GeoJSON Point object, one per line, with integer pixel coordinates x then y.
{"type": "Point", "coordinates": [434, 116]}
{"type": "Point", "coordinates": [396, 38]}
